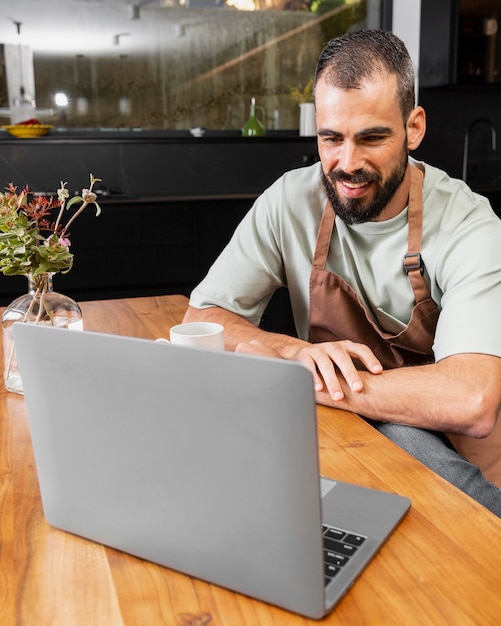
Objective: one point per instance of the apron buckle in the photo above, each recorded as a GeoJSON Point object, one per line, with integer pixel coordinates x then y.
{"type": "Point", "coordinates": [413, 261]}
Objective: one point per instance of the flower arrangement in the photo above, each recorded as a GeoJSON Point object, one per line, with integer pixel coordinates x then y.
{"type": "Point", "coordinates": [30, 243]}
{"type": "Point", "coordinates": [304, 94]}
{"type": "Point", "coordinates": [34, 244]}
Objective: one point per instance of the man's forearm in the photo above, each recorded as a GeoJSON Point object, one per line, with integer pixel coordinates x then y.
{"type": "Point", "coordinates": [238, 330]}
{"type": "Point", "coordinates": [458, 395]}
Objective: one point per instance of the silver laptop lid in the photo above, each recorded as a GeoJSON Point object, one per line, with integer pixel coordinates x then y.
{"type": "Point", "coordinates": [202, 461]}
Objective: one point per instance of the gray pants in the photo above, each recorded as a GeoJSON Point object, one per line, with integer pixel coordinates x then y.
{"type": "Point", "coordinates": [435, 451]}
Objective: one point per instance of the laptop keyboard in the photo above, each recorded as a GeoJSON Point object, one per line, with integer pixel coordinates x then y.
{"type": "Point", "coordinates": [339, 547]}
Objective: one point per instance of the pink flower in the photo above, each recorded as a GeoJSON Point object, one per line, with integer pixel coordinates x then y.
{"type": "Point", "coordinates": [64, 241]}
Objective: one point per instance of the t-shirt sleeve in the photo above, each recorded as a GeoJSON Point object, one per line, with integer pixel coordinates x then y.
{"type": "Point", "coordinates": [250, 268]}
{"type": "Point", "coordinates": [469, 276]}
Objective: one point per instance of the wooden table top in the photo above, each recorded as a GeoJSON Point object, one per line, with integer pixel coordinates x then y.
{"type": "Point", "coordinates": [441, 566]}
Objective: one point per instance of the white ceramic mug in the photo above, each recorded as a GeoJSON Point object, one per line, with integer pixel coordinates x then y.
{"type": "Point", "coordinates": [198, 335]}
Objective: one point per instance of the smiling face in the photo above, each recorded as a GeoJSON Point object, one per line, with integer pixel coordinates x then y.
{"type": "Point", "coordinates": [363, 145]}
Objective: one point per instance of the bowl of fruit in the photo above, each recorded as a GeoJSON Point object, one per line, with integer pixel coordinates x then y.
{"type": "Point", "coordinates": [29, 128]}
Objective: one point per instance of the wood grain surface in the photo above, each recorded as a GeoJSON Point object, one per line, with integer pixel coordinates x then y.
{"type": "Point", "coordinates": [441, 566]}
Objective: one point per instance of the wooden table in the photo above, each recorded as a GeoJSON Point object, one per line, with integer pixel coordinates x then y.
{"type": "Point", "coordinates": [442, 565]}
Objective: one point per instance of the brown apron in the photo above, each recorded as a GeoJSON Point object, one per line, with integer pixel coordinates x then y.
{"type": "Point", "coordinates": [337, 313]}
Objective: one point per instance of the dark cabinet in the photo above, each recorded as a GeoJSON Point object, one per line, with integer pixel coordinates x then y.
{"type": "Point", "coordinates": [169, 206]}
{"type": "Point", "coordinates": [143, 248]}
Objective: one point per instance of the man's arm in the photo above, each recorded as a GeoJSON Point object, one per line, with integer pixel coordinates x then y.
{"type": "Point", "coordinates": [238, 330]}
{"type": "Point", "coordinates": [460, 394]}
{"type": "Point", "coordinates": [241, 335]}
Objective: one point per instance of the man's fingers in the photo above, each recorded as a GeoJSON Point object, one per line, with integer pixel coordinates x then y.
{"type": "Point", "coordinates": [328, 361]}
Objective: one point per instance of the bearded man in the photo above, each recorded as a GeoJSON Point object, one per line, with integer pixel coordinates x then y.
{"type": "Point", "coordinates": [393, 270]}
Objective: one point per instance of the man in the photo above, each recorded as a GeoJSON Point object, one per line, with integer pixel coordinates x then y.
{"type": "Point", "coordinates": [393, 269]}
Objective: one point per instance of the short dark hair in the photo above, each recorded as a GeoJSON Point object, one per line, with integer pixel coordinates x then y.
{"type": "Point", "coordinates": [348, 60]}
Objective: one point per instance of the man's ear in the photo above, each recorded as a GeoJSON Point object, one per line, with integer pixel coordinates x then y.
{"type": "Point", "coordinates": [416, 128]}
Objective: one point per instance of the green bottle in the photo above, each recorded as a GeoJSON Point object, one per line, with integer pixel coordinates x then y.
{"type": "Point", "coordinates": [253, 127]}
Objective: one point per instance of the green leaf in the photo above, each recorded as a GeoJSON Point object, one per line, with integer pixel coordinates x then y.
{"type": "Point", "coordinates": [73, 200]}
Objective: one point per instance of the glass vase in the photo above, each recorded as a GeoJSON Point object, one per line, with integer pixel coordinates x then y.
{"type": "Point", "coordinates": [41, 305]}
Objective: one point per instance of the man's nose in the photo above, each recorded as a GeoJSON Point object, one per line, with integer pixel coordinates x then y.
{"type": "Point", "coordinates": [351, 158]}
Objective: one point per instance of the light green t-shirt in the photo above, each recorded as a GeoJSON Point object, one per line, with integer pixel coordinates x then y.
{"type": "Point", "coordinates": [274, 245]}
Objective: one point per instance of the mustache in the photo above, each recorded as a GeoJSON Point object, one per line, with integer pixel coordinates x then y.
{"type": "Point", "coordinates": [360, 177]}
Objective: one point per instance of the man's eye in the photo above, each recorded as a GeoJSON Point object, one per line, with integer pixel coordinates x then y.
{"type": "Point", "coordinates": [373, 138]}
{"type": "Point", "coordinates": [333, 139]}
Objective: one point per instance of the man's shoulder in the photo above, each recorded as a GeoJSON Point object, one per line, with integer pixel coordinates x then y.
{"type": "Point", "coordinates": [295, 191]}
{"type": "Point", "coordinates": [433, 175]}
{"type": "Point", "coordinates": [308, 177]}
{"type": "Point", "coordinates": [440, 190]}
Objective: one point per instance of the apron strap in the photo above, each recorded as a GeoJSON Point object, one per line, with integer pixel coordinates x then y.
{"type": "Point", "coordinates": [413, 262]}
{"type": "Point", "coordinates": [324, 236]}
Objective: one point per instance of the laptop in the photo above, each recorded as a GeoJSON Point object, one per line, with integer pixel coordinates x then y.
{"type": "Point", "coordinates": [202, 461]}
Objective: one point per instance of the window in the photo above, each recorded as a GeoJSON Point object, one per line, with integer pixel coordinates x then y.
{"type": "Point", "coordinates": [165, 64]}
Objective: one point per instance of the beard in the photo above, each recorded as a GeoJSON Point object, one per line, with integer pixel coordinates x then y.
{"type": "Point", "coordinates": [359, 210]}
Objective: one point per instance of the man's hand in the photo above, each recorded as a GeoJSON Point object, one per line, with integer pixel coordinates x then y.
{"type": "Point", "coordinates": [327, 361]}
{"type": "Point", "coordinates": [459, 394]}
{"type": "Point", "coordinates": [256, 347]}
